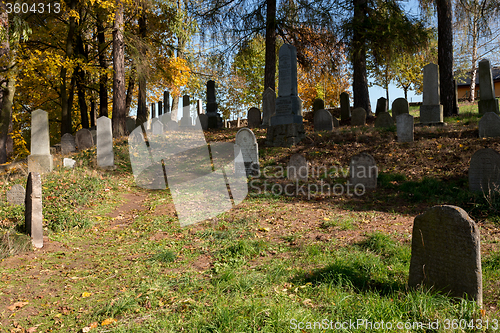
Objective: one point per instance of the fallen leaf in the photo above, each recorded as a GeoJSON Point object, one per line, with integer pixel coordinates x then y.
{"type": "Point", "coordinates": [17, 305]}
{"type": "Point", "coordinates": [86, 294]}
{"type": "Point", "coordinates": [108, 321]}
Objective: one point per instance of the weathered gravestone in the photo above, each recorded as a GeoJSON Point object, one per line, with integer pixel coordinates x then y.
{"type": "Point", "coordinates": [358, 117]}
{"type": "Point", "coordinates": [446, 253]}
{"type": "Point", "coordinates": [68, 144]}
{"type": "Point", "coordinates": [489, 125]}
{"type": "Point", "coordinates": [69, 163]}
{"type": "Point", "coordinates": [345, 109]}
{"type": "Point", "coordinates": [247, 144]}
{"type": "Point", "coordinates": [160, 108]}
{"type": "Point", "coordinates": [335, 121]}
{"type": "Point", "coordinates": [203, 119]}
{"type": "Point", "coordinates": [105, 155]}
{"type": "Point", "coordinates": [399, 106]}
{"type": "Point", "coordinates": [130, 124]}
{"type": "Point", "coordinates": [363, 171]}
{"type": "Point", "coordinates": [166, 102]}
{"type": "Point", "coordinates": [253, 118]}
{"type": "Point", "coordinates": [297, 168]}
{"type": "Point", "coordinates": [40, 160]}
{"type": "Point", "coordinates": [318, 104]}
{"type": "Point", "coordinates": [487, 101]}
{"type": "Point", "coordinates": [323, 120]}
{"type": "Point", "coordinates": [384, 120]}
{"type": "Point", "coordinates": [199, 107]}
{"type": "Point", "coordinates": [382, 106]}
{"type": "Point", "coordinates": [165, 118]}
{"type": "Point", "coordinates": [16, 195]}
{"type": "Point", "coordinates": [431, 111]}
{"type": "Point", "coordinates": [153, 110]}
{"type": "Point", "coordinates": [83, 139]}
{"type": "Point", "coordinates": [33, 215]}
{"type": "Point", "coordinates": [268, 106]}
{"type": "Point", "coordinates": [171, 126]}
{"type": "Point", "coordinates": [186, 120]}
{"type": "Point", "coordinates": [214, 119]}
{"type": "Point", "coordinates": [484, 171]}
{"type": "Point", "coordinates": [405, 127]}
{"type": "Point", "coordinates": [157, 128]}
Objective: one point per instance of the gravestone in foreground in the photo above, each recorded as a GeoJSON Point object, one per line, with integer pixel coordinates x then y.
{"type": "Point", "coordinates": [381, 106]}
{"type": "Point", "coordinates": [247, 144]}
{"type": "Point", "coordinates": [68, 144]}
{"type": "Point", "coordinates": [253, 118]}
{"type": "Point", "coordinates": [399, 106]}
{"type": "Point", "coordinates": [358, 117]}
{"type": "Point", "coordinates": [405, 127]}
{"type": "Point", "coordinates": [345, 108]}
{"type": "Point", "coordinates": [323, 120]}
{"type": "Point", "coordinates": [487, 101]}
{"type": "Point", "coordinates": [16, 195]}
{"type": "Point", "coordinates": [33, 215]}
{"type": "Point", "coordinates": [40, 160]}
{"type": "Point", "coordinates": [363, 171]}
{"type": "Point", "coordinates": [297, 168]}
{"type": "Point", "coordinates": [384, 120]}
{"type": "Point", "coordinates": [489, 125]}
{"type": "Point", "coordinates": [446, 253]}
{"type": "Point", "coordinates": [268, 106]}
{"type": "Point", "coordinates": [105, 154]}
{"type": "Point", "coordinates": [431, 111]}
{"type": "Point", "coordinates": [484, 171]}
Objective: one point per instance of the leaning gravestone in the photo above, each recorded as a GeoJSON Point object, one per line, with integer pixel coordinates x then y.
{"type": "Point", "coordinates": [484, 171]}
{"type": "Point", "coordinates": [489, 125]}
{"type": "Point", "coordinates": [431, 111]}
{"type": "Point", "coordinates": [33, 215]}
{"type": "Point", "coordinates": [247, 144]}
{"type": "Point", "coordinates": [253, 118]}
{"type": "Point", "coordinates": [381, 106]}
{"type": "Point", "coordinates": [16, 195]}
{"type": "Point", "coordinates": [318, 104]}
{"type": "Point", "coordinates": [323, 120]}
{"type": "Point", "coordinates": [487, 101]}
{"type": "Point", "coordinates": [345, 109]}
{"type": "Point", "coordinates": [268, 106]}
{"type": "Point", "coordinates": [384, 120]}
{"type": "Point", "coordinates": [446, 253]}
{"type": "Point", "coordinates": [105, 155]}
{"type": "Point", "coordinates": [399, 106]}
{"type": "Point", "coordinates": [363, 171]}
{"type": "Point", "coordinates": [68, 144]}
{"type": "Point", "coordinates": [40, 160]}
{"type": "Point", "coordinates": [358, 117]}
{"type": "Point", "coordinates": [84, 139]}
{"type": "Point", "coordinates": [405, 127]}
{"type": "Point", "coordinates": [297, 168]}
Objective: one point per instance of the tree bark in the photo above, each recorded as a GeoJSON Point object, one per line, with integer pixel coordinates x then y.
{"type": "Point", "coordinates": [472, 96]}
{"type": "Point", "coordinates": [445, 55]}
{"type": "Point", "coordinates": [359, 77]}
{"type": "Point", "coordinates": [5, 92]}
{"type": "Point", "coordinates": [130, 91]}
{"type": "Point", "coordinates": [142, 110]}
{"type": "Point", "coordinates": [82, 101]}
{"type": "Point", "coordinates": [66, 123]}
{"type": "Point", "coordinates": [270, 65]}
{"type": "Point", "coordinates": [103, 78]}
{"type": "Point", "coordinates": [118, 118]}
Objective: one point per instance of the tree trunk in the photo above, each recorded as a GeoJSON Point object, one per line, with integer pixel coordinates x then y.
{"type": "Point", "coordinates": [5, 92]}
{"type": "Point", "coordinates": [119, 128]}
{"type": "Point", "coordinates": [142, 109]}
{"type": "Point", "coordinates": [472, 96]}
{"type": "Point", "coordinates": [66, 123]}
{"type": "Point", "coordinates": [103, 78]}
{"type": "Point", "coordinates": [359, 77]}
{"type": "Point", "coordinates": [270, 66]}
{"type": "Point", "coordinates": [445, 55]}
{"type": "Point", "coordinates": [130, 90]}
{"type": "Point", "coordinates": [175, 107]}
{"type": "Point", "coordinates": [82, 101]}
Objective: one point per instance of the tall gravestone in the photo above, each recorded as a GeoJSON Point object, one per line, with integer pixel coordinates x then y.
{"type": "Point", "coordinates": [153, 111]}
{"type": "Point", "coordinates": [16, 195]}
{"type": "Point", "coordinates": [199, 107]}
{"type": "Point", "coordinates": [381, 106]}
{"type": "Point", "coordinates": [246, 143]}
{"type": "Point", "coordinates": [105, 154]}
{"type": "Point", "coordinates": [268, 106]}
{"type": "Point", "coordinates": [33, 214]}
{"type": "Point", "coordinates": [318, 104]}
{"type": "Point", "coordinates": [431, 111]}
{"type": "Point", "coordinates": [484, 171]}
{"type": "Point", "coordinates": [40, 160]}
{"type": "Point", "coordinates": [286, 128]}
{"type": "Point", "coordinates": [363, 171]}
{"type": "Point", "coordinates": [160, 108]}
{"type": "Point", "coordinates": [384, 120]}
{"type": "Point", "coordinates": [166, 102]}
{"type": "Point", "coordinates": [84, 139]}
{"type": "Point", "coordinates": [489, 125]}
{"type": "Point", "coordinates": [214, 119]}
{"type": "Point", "coordinates": [405, 127]}
{"type": "Point", "coordinates": [399, 106]}
{"type": "Point", "coordinates": [203, 119]}
{"type": "Point", "coordinates": [345, 108]}
{"type": "Point", "coordinates": [68, 144]}
{"type": "Point", "coordinates": [487, 101]}
{"type": "Point", "coordinates": [446, 253]}
{"type": "Point", "coordinates": [358, 117]}
{"type": "Point", "coordinates": [253, 118]}
{"type": "Point", "coordinates": [323, 120]}
{"type": "Point", "coordinates": [186, 120]}
{"type": "Point", "coordinates": [297, 168]}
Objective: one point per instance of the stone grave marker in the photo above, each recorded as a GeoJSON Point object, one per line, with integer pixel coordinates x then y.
{"type": "Point", "coordinates": [335, 121]}
{"type": "Point", "coordinates": [199, 107]}
{"type": "Point", "coordinates": [246, 143]}
{"type": "Point", "coordinates": [186, 120]}
{"type": "Point", "coordinates": [345, 108]}
{"type": "Point", "coordinates": [446, 253]}
{"type": "Point", "coordinates": [487, 101]}
{"type": "Point", "coordinates": [489, 125]}
{"type": "Point", "coordinates": [160, 108]}
{"type": "Point", "coordinates": [323, 120]}
{"type": "Point", "coordinates": [16, 195]}
{"type": "Point", "coordinates": [105, 154]}
{"type": "Point", "coordinates": [363, 171]}
{"type": "Point", "coordinates": [268, 106]}
{"type": "Point", "coordinates": [157, 128]}
{"type": "Point", "coordinates": [431, 111]}
{"type": "Point", "coordinates": [405, 127]}
{"type": "Point", "coordinates": [130, 124]}
{"type": "Point", "coordinates": [171, 126]}
{"type": "Point", "coordinates": [318, 104]}
{"type": "Point", "coordinates": [68, 144]}
{"type": "Point", "coordinates": [166, 102]}
{"type": "Point", "coordinates": [297, 168]}
{"type": "Point", "coordinates": [214, 119]}
{"type": "Point", "coordinates": [69, 163]}
{"type": "Point", "coordinates": [384, 120]}
{"type": "Point", "coordinates": [399, 106]}
{"type": "Point", "coordinates": [84, 139]}
{"type": "Point", "coordinates": [203, 119]}
{"type": "Point", "coordinates": [40, 160]}
{"type": "Point", "coordinates": [382, 106]}
{"type": "Point", "coordinates": [484, 171]}
{"type": "Point", "coordinates": [253, 118]}
{"type": "Point", "coordinates": [33, 214]}
{"type": "Point", "coordinates": [358, 117]}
